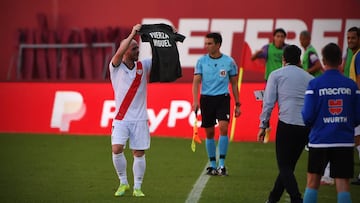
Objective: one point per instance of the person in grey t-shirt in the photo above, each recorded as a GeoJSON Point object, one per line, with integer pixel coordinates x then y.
{"type": "Point", "coordinates": [286, 86]}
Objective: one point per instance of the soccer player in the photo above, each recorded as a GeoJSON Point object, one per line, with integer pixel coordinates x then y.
{"type": "Point", "coordinates": [272, 52]}
{"type": "Point", "coordinates": [129, 81]}
{"type": "Point", "coordinates": [215, 71]}
{"type": "Point", "coordinates": [351, 69]}
{"type": "Point", "coordinates": [286, 86]}
{"type": "Point", "coordinates": [332, 110]}
{"type": "Point", "coordinates": [353, 38]}
{"type": "Point", "coordinates": [310, 61]}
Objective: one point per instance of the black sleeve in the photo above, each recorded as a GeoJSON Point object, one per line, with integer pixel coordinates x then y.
{"type": "Point", "coordinates": [144, 30]}
{"type": "Point", "coordinates": [179, 37]}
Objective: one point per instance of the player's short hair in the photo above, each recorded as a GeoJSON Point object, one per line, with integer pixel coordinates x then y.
{"type": "Point", "coordinates": [355, 29]}
{"type": "Point", "coordinates": [332, 54]}
{"type": "Point", "coordinates": [216, 36]}
{"type": "Point", "coordinates": [292, 54]}
{"type": "Point", "coordinates": [305, 33]}
{"type": "Point", "coordinates": [279, 30]}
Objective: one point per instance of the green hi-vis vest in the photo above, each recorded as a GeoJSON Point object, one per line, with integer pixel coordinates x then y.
{"type": "Point", "coordinates": [306, 60]}
{"type": "Point", "coordinates": [352, 72]}
{"type": "Point", "coordinates": [349, 56]}
{"type": "Point", "coordinates": [274, 59]}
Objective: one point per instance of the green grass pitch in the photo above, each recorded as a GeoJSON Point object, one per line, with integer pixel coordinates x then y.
{"type": "Point", "coordinates": [64, 168]}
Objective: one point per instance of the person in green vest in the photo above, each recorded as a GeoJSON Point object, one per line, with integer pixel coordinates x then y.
{"type": "Point", "coordinates": [353, 46]}
{"type": "Point", "coordinates": [346, 62]}
{"type": "Point", "coordinates": [310, 60]}
{"type": "Point", "coordinates": [352, 68]}
{"type": "Point", "coordinates": [272, 52]}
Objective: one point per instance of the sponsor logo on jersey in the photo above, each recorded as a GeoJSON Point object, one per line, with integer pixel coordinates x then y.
{"type": "Point", "coordinates": [335, 106]}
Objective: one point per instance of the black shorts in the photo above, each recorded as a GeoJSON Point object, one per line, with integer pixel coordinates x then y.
{"type": "Point", "coordinates": [214, 107]}
{"type": "Point", "coordinates": [341, 161]}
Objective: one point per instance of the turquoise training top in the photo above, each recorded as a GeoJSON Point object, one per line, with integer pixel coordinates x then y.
{"type": "Point", "coordinates": [215, 74]}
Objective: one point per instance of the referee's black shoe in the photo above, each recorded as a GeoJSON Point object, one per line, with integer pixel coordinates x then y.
{"type": "Point", "coordinates": [211, 171]}
{"type": "Point", "coordinates": [222, 171]}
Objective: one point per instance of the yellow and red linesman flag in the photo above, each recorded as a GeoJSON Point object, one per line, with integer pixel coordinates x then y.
{"type": "Point", "coordinates": [195, 137]}
{"type": "Point", "coordinates": [233, 121]}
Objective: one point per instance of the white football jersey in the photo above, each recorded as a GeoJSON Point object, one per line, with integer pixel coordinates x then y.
{"type": "Point", "coordinates": [121, 79]}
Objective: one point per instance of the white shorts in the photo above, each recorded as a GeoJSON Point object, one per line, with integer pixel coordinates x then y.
{"type": "Point", "coordinates": [136, 132]}
{"type": "Point", "coordinates": [357, 130]}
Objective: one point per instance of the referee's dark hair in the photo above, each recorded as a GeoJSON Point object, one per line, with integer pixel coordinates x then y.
{"type": "Point", "coordinates": [216, 36]}
{"type": "Point", "coordinates": [292, 55]}
{"type": "Point", "coordinates": [332, 55]}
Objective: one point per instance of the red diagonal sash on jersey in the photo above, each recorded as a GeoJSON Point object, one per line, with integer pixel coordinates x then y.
{"type": "Point", "coordinates": [131, 92]}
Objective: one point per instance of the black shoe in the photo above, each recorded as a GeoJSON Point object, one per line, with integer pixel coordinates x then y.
{"type": "Point", "coordinates": [222, 171]}
{"type": "Point", "coordinates": [211, 171]}
{"type": "Point", "coordinates": [356, 181]}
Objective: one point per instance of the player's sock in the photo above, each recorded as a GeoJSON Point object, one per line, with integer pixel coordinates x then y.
{"type": "Point", "coordinates": [139, 167]}
{"type": "Point", "coordinates": [211, 151]}
{"type": "Point", "coordinates": [223, 147]}
{"type": "Point", "coordinates": [310, 195]}
{"type": "Point", "coordinates": [343, 197]}
{"type": "Point", "coordinates": [120, 163]}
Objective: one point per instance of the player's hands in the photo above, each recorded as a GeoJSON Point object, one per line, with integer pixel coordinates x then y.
{"type": "Point", "coordinates": [195, 107]}
{"type": "Point", "coordinates": [256, 54]}
{"type": "Point", "coordinates": [174, 29]}
{"type": "Point", "coordinates": [136, 28]}
{"type": "Point", "coordinates": [237, 111]}
{"type": "Point", "coordinates": [261, 135]}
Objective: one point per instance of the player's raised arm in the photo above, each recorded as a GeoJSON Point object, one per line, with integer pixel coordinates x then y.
{"type": "Point", "coordinates": [118, 56]}
{"type": "Point", "coordinates": [256, 54]}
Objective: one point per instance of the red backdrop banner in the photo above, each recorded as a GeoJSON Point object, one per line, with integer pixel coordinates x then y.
{"type": "Point", "coordinates": [88, 109]}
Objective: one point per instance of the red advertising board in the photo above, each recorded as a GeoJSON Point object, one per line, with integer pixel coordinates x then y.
{"type": "Point", "coordinates": [88, 109]}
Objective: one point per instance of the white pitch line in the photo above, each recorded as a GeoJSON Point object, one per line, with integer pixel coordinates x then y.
{"type": "Point", "coordinates": [198, 187]}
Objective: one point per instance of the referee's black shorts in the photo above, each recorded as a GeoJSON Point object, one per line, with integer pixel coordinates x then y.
{"type": "Point", "coordinates": [214, 107]}
{"type": "Point", "coordinates": [341, 161]}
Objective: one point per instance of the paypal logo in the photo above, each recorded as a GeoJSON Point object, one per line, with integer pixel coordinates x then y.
{"type": "Point", "coordinates": [68, 106]}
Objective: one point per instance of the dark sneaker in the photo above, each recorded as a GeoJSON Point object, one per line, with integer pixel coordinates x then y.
{"type": "Point", "coordinates": [356, 181]}
{"type": "Point", "coordinates": [211, 171]}
{"type": "Point", "coordinates": [222, 171]}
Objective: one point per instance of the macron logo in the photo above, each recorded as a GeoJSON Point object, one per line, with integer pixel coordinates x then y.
{"type": "Point", "coordinates": [68, 106]}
